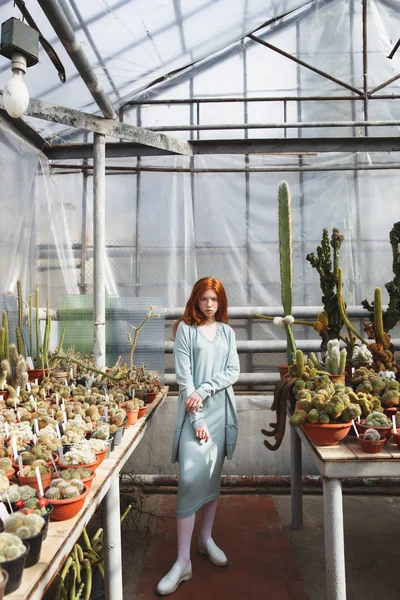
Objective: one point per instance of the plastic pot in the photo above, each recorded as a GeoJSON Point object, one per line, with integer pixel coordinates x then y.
{"type": "Point", "coordinates": [142, 411]}
{"type": "Point", "coordinates": [32, 481]}
{"type": "Point", "coordinates": [110, 448]}
{"type": "Point", "coordinates": [118, 436]}
{"type": "Point", "coordinates": [3, 583]}
{"type": "Point", "coordinates": [132, 417]}
{"type": "Point", "coordinates": [64, 466]}
{"type": "Point", "coordinates": [34, 545]}
{"type": "Point", "coordinates": [46, 517]}
{"type": "Point", "coordinates": [66, 509]}
{"type": "Point", "coordinates": [100, 457]}
{"type": "Point", "coordinates": [14, 570]}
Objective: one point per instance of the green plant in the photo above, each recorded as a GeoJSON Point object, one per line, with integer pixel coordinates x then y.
{"type": "Point", "coordinates": [372, 434]}
{"type": "Point", "coordinates": [133, 341]}
{"type": "Point", "coordinates": [327, 268]}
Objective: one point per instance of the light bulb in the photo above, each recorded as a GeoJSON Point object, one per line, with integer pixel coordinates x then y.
{"type": "Point", "coordinates": [15, 93]}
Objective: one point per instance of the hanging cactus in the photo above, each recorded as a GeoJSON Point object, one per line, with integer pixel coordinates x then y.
{"type": "Point", "coordinates": [285, 262]}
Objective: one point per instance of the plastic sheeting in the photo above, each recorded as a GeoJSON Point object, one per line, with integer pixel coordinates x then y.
{"type": "Point", "coordinates": [131, 43]}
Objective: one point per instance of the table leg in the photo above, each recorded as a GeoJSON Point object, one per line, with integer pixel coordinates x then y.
{"type": "Point", "coordinates": [334, 540]}
{"type": "Point", "coordinates": [112, 543]}
{"type": "Point", "coordinates": [296, 481]}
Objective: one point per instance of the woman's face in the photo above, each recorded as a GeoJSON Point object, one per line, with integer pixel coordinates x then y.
{"type": "Point", "coordinates": [208, 304]}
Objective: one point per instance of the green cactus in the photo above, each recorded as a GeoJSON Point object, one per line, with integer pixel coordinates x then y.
{"type": "Point", "coordinates": [52, 493]}
{"type": "Point", "coordinates": [328, 278]}
{"type": "Point", "coordinates": [335, 360]}
{"type": "Point", "coordinates": [20, 329]}
{"type": "Point", "coordinates": [381, 337]}
{"type": "Point", "coordinates": [298, 418]}
{"type": "Point", "coordinates": [350, 412]}
{"type": "Point", "coordinates": [70, 492]}
{"type": "Point", "coordinates": [5, 465]}
{"type": "Point", "coordinates": [324, 418]}
{"type": "Point", "coordinates": [78, 484]}
{"type": "Point", "coordinates": [372, 434]}
{"type": "Point", "coordinates": [30, 320]}
{"type": "Point", "coordinates": [285, 262]}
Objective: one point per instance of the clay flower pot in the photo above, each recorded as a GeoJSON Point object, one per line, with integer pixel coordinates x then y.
{"type": "Point", "coordinates": [100, 456]}
{"type": "Point", "coordinates": [64, 466]}
{"type": "Point", "coordinates": [371, 446]}
{"type": "Point", "coordinates": [326, 435]}
{"type": "Point", "coordinates": [150, 397]}
{"type": "Point", "coordinates": [384, 431]}
{"type": "Point", "coordinates": [341, 378]}
{"type": "Point", "coordinates": [132, 417]}
{"type": "Point", "coordinates": [396, 438]}
{"type": "Point", "coordinates": [142, 411]}
{"type": "Point", "coordinates": [32, 481]}
{"type": "Point", "coordinates": [66, 509]}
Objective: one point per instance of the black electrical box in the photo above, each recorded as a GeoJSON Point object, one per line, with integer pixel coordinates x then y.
{"type": "Point", "coordinates": [16, 36]}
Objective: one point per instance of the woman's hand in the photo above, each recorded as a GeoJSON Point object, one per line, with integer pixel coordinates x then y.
{"type": "Point", "coordinates": [202, 433]}
{"type": "Point", "coordinates": [193, 403]}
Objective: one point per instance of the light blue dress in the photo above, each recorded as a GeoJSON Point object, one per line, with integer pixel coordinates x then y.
{"type": "Point", "coordinates": [209, 366]}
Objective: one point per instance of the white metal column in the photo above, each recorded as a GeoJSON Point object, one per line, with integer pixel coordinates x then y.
{"type": "Point", "coordinates": [334, 540]}
{"type": "Point", "coordinates": [99, 251]}
{"type": "Point", "coordinates": [112, 543]}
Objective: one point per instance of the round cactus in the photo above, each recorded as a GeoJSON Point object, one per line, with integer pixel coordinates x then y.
{"type": "Point", "coordinates": [52, 493]}
{"type": "Point", "coordinates": [70, 492]}
{"type": "Point", "coordinates": [372, 434]}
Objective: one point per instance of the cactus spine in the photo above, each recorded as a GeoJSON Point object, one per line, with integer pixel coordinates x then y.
{"type": "Point", "coordinates": [285, 261]}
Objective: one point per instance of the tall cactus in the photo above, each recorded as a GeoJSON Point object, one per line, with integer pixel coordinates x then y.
{"type": "Point", "coordinates": [6, 351]}
{"type": "Point", "coordinates": [285, 262]}
{"type": "Point", "coordinates": [328, 274]}
{"type": "Point", "coordinates": [30, 328]}
{"type": "Point", "coordinates": [20, 329]}
{"type": "Point", "coordinates": [37, 323]}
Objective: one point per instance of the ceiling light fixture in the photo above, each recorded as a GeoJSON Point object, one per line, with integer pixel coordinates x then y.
{"type": "Point", "coordinates": [20, 43]}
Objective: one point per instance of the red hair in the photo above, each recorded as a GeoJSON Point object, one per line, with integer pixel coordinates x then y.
{"type": "Point", "coordinates": [192, 314]}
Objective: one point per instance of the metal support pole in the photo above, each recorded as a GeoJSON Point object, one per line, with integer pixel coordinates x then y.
{"type": "Point", "coordinates": [112, 543]}
{"type": "Point", "coordinates": [99, 241]}
{"type": "Point", "coordinates": [334, 540]}
{"type": "Point", "coordinates": [296, 481]}
{"type": "Point", "coordinates": [365, 62]}
{"type": "Point", "coordinates": [63, 29]}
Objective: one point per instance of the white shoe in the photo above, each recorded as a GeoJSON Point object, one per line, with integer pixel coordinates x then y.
{"type": "Point", "coordinates": [215, 554]}
{"type": "Point", "coordinates": [173, 578]}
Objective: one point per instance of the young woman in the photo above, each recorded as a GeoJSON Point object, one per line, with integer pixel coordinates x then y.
{"type": "Point", "coordinates": [206, 365]}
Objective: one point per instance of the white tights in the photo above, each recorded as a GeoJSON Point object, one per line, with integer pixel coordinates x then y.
{"type": "Point", "coordinates": [185, 530]}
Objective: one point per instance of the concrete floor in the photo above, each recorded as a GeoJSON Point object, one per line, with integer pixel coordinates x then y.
{"type": "Point", "coordinates": [371, 533]}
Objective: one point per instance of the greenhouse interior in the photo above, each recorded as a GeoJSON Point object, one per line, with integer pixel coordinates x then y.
{"type": "Point", "coordinates": [169, 167]}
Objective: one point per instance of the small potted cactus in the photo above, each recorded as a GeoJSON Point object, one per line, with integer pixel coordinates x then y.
{"type": "Point", "coordinates": [378, 421]}
{"type": "Point", "coordinates": [28, 475]}
{"type": "Point", "coordinates": [30, 529]}
{"type": "Point", "coordinates": [67, 498]}
{"type": "Point", "coordinates": [39, 506]}
{"type": "Point", "coordinates": [78, 458]}
{"type": "Point", "coordinates": [13, 555]}
{"type": "Point", "coordinates": [84, 474]}
{"type": "Point", "coordinates": [132, 411]}
{"type": "Point", "coordinates": [371, 441]}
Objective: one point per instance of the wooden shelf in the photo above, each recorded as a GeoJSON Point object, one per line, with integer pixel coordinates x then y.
{"type": "Point", "coordinates": [62, 535]}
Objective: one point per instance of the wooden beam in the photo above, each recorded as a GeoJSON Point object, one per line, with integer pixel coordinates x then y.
{"type": "Point", "coordinates": [109, 127]}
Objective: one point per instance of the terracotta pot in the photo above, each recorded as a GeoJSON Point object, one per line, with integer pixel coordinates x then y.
{"type": "Point", "coordinates": [384, 431]}
{"type": "Point", "coordinates": [87, 480]}
{"type": "Point", "coordinates": [150, 397]}
{"type": "Point", "coordinates": [283, 369]}
{"type": "Point", "coordinates": [326, 435]}
{"type": "Point", "coordinates": [371, 446]}
{"type": "Point", "coordinates": [142, 412]}
{"type": "Point", "coordinates": [36, 374]}
{"type": "Point", "coordinates": [132, 417]}
{"type": "Point", "coordinates": [56, 458]}
{"type": "Point", "coordinates": [392, 410]}
{"type": "Point", "coordinates": [32, 481]}
{"type": "Point", "coordinates": [396, 438]}
{"type": "Point", "coordinates": [100, 457]}
{"type": "Point", "coordinates": [338, 378]}
{"type": "Point", "coordinates": [10, 474]}
{"type": "Point", "coordinates": [66, 466]}
{"type": "Point", "coordinates": [66, 509]}
{"type": "Point", "coordinates": [60, 375]}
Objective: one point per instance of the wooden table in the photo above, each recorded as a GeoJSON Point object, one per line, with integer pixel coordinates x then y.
{"type": "Point", "coordinates": [335, 463]}
{"type": "Point", "coordinates": [62, 535]}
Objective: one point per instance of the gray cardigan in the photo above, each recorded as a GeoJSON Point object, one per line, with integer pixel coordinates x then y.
{"type": "Point", "coordinates": [183, 354]}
